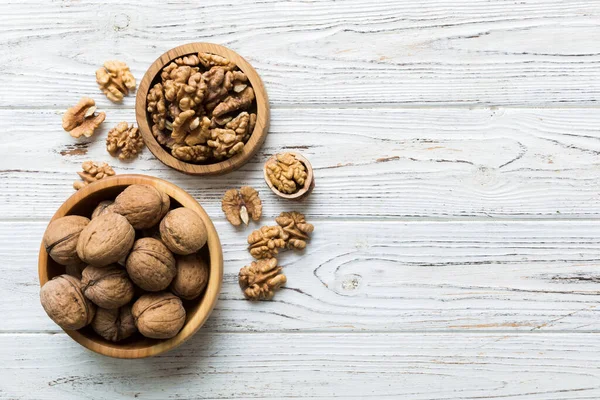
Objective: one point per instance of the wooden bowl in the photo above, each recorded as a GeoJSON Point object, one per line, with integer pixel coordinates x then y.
{"type": "Point", "coordinates": [304, 191]}
{"type": "Point", "coordinates": [262, 113]}
{"type": "Point", "coordinates": [83, 203]}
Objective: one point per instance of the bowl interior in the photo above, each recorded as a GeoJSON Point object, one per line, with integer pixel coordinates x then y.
{"type": "Point", "coordinates": [197, 310]}
{"type": "Point", "coordinates": [260, 107]}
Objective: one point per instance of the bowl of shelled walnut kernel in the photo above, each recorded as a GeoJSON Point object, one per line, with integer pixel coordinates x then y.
{"type": "Point", "coordinates": [202, 109]}
{"type": "Point", "coordinates": [130, 266]}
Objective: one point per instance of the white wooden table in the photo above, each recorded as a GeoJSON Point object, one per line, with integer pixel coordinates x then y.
{"type": "Point", "coordinates": [456, 146]}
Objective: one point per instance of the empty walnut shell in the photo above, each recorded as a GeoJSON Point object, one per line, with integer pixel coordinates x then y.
{"type": "Point", "coordinates": [192, 277]}
{"type": "Point", "coordinates": [105, 240]}
{"type": "Point", "coordinates": [114, 325]}
{"type": "Point", "coordinates": [159, 315]}
{"type": "Point", "coordinates": [183, 231]}
{"type": "Point", "coordinates": [102, 208]}
{"type": "Point", "coordinates": [151, 265]}
{"type": "Point", "coordinates": [108, 287]}
{"type": "Point", "coordinates": [65, 303]}
{"type": "Point", "coordinates": [61, 236]}
{"type": "Point", "coordinates": [142, 205]}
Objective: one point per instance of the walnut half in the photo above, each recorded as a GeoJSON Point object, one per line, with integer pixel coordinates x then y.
{"type": "Point", "coordinates": [124, 141]}
{"type": "Point", "coordinates": [261, 279]}
{"type": "Point", "coordinates": [80, 120]}
{"type": "Point", "coordinates": [92, 172]}
{"type": "Point", "coordinates": [287, 173]}
{"type": "Point", "coordinates": [115, 80]}
{"type": "Point", "coordinates": [266, 241]}
{"type": "Point", "coordinates": [298, 230]}
{"type": "Point", "coordinates": [239, 206]}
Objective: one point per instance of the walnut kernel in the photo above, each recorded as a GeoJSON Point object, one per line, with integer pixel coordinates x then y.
{"type": "Point", "coordinates": [124, 141]}
{"type": "Point", "coordinates": [287, 173]}
{"type": "Point", "coordinates": [80, 119]}
{"type": "Point", "coordinates": [261, 279]}
{"type": "Point", "coordinates": [92, 172]}
{"type": "Point", "coordinates": [238, 206]}
{"type": "Point", "coordinates": [266, 241]}
{"type": "Point", "coordinates": [115, 80]}
{"type": "Point", "coordinates": [298, 230]}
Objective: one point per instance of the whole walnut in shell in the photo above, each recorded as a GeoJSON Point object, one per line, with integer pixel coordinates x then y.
{"type": "Point", "coordinates": [142, 205]}
{"type": "Point", "coordinates": [192, 277]}
{"type": "Point", "coordinates": [102, 208]}
{"type": "Point", "coordinates": [114, 325]}
{"type": "Point", "coordinates": [151, 265]}
{"type": "Point", "coordinates": [159, 315]}
{"type": "Point", "coordinates": [183, 231]}
{"type": "Point", "coordinates": [61, 236]}
{"type": "Point", "coordinates": [65, 303]}
{"type": "Point", "coordinates": [105, 240]}
{"type": "Point", "coordinates": [107, 287]}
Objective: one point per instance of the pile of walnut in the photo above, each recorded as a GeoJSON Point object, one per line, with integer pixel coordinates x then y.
{"type": "Point", "coordinates": [261, 279]}
{"type": "Point", "coordinates": [202, 108]}
{"type": "Point", "coordinates": [126, 269]}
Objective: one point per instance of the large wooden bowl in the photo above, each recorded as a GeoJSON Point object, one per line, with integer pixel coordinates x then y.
{"type": "Point", "coordinates": [257, 138]}
{"type": "Point", "coordinates": [83, 203]}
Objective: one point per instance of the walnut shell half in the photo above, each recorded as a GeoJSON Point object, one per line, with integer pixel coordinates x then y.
{"type": "Point", "coordinates": [107, 287]}
{"type": "Point", "coordinates": [114, 325]}
{"type": "Point", "coordinates": [183, 231]}
{"type": "Point", "coordinates": [65, 303]}
{"type": "Point", "coordinates": [159, 315]}
{"type": "Point", "coordinates": [61, 236]}
{"type": "Point", "coordinates": [105, 240]}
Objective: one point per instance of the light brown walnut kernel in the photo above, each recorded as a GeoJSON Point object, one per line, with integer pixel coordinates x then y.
{"type": "Point", "coordinates": [115, 80]}
{"type": "Point", "coordinates": [191, 60]}
{"type": "Point", "coordinates": [209, 60]}
{"type": "Point", "coordinates": [225, 143]}
{"type": "Point", "coordinates": [124, 141]}
{"type": "Point", "coordinates": [156, 105]}
{"type": "Point", "coordinates": [261, 279]}
{"type": "Point", "coordinates": [238, 101]}
{"type": "Point", "coordinates": [266, 241]}
{"type": "Point", "coordinates": [287, 173]}
{"type": "Point", "coordinates": [298, 230]}
{"type": "Point", "coordinates": [238, 206]}
{"type": "Point", "coordinates": [199, 135]}
{"type": "Point", "coordinates": [92, 172]}
{"type": "Point", "coordinates": [80, 119]}
{"type": "Point", "coordinates": [195, 154]}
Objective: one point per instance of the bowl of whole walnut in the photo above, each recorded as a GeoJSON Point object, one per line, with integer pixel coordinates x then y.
{"type": "Point", "coordinates": [202, 109]}
{"type": "Point", "coordinates": [130, 266]}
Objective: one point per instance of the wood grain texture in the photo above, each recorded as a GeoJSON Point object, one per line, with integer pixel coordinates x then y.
{"type": "Point", "coordinates": [535, 52]}
{"type": "Point", "coordinates": [430, 366]}
{"type": "Point", "coordinates": [383, 276]}
{"type": "Point", "coordinates": [257, 137]}
{"type": "Point", "coordinates": [376, 164]}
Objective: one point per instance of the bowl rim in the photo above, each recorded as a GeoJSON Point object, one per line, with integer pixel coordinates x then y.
{"type": "Point", "coordinates": [216, 265]}
{"type": "Point", "coordinates": [262, 118]}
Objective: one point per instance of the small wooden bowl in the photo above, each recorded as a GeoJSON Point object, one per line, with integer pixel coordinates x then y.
{"type": "Point", "coordinates": [83, 203]}
{"type": "Point", "coordinates": [304, 191]}
{"type": "Point", "coordinates": [262, 113]}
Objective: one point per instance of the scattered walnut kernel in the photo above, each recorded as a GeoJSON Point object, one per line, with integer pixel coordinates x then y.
{"type": "Point", "coordinates": [92, 172]}
{"type": "Point", "coordinates": [124, 141]}
{"type": "Point", "coordinates": [80, 120]}
{"type": "Point", "coordinates": [201, 108]}
{"type": "Point", "coordinates": [261, 279]}
{"type": "Point", "coordinates": [239, 205]}
{"type": "Point", "coordinates": [287, 173]}
{"type": "Point", "coordinates": [295, 225]}
{"type": "Point", "coordinates": [266, 241]}
{"type": "Point", "coordinates": [115, 80]}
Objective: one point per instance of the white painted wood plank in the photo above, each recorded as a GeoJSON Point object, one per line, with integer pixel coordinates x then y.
{"type": "Point", "coordinates": [468, 52]}
{"type": "Point", "coordinates": [325, 366]}
{"type": "Point", "coordinates": [383, 276]}
{"type": "Point", "coordinates": [446, 163]}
